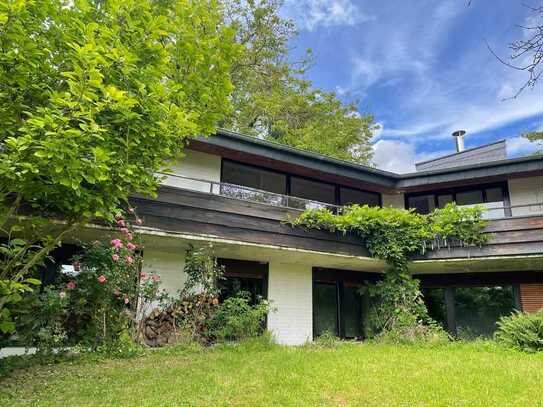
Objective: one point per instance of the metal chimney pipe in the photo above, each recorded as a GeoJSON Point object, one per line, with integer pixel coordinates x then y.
{"type": "Point", "coordinates": [459, 138]}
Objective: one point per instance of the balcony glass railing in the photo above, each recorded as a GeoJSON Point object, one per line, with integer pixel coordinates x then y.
{"type": "Point", "coordinates": [496, 210]}
{"type": "Point", "coordinates": [243, 193]}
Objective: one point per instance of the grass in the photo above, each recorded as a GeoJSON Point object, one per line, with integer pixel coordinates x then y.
{"type": "Point", "coordinates": [255, 374]}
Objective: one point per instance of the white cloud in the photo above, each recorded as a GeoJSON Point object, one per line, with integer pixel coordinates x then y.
{"type": "Point", "coordinates": [520, 146]}
{"type": "Point", "coordinates": [431, 99]}
{"type": "Point", "coordinates": [311, 14]}
{"type": "Point", "coordinates": [395, 156]}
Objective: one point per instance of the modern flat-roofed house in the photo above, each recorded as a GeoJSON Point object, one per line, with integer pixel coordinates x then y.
{"type": "Point", "coordinates": [235, 192]}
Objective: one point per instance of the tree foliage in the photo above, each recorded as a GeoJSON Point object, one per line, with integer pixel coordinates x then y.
{"type": "Point", "coordinates": [94, 96]}
{"type": "Point", "coordinates": [272, 99]}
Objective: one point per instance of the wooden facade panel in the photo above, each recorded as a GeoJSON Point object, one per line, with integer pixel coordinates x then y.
{"type": "Point", "coordinates": [198, 212]}
{"type": "Point", "coordinates": [521, 236]}
{"type": "Point", "coordinates": [527, 223]}
{"type": "Point", "coordinates": [527, 278]}
{"type": "Point", "coordinates": [251, 236]}
{"type": "Point", "coordinates": [531, 297]}
{"type": "Point", "coordinates": [249, 223]}
{"type": "Point", "coordinates": [507, 249]}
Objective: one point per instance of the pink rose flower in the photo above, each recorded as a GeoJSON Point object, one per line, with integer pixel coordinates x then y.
{"type": "Point", "coordinates": [62, 295]}
{"type": "Point", "coordinates": [102, 279]}
{"type": "Point", "coordinates": [121, 223]}
{"type": "Point", "coordinates": [117, 243]}
{"type": "Point", "coordinates": [139, 221]}
{"type": "Point", "coordinates": [129, 236]}
{"type": "Point", "coordinates": [130, 246]}
{"type": "Point", "coordinates": [143, 275]}
{"type": "Point", "coordinates": [131, 211]}
{"type": "Point", "coordinates": [129, 259]}
{"type": "Point", "coordinates": [115, 257]}
{"type": "Point", "coordinates": [125, 230]}
{"type": "Point", "coordinates": [126, 300]}
{"type": "Point", "coordinates": [155, 278]}
{"type": "Point", "coordinates": [71, 285]}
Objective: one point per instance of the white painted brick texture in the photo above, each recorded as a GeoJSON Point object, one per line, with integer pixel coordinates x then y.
{"type": "Point", "coordinates": [290, 290]}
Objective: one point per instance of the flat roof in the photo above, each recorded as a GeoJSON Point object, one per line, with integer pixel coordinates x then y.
{"type": "Point", "coordinates": [280, 152]}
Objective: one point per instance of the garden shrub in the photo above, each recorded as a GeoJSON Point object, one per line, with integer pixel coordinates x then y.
{"type": "Point", "coordinates": [521, 331]}
{"type": "Point", "coordinates": [197, 313]}
{"type": "Point", "coordinates": [237, 319]}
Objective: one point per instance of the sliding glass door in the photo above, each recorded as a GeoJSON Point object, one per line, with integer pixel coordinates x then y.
{"type": "Point", "coordinates": [325, 306]}
{"type": "Point", "coordinates": [337, 309]}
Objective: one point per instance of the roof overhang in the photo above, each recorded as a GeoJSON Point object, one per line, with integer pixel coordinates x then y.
{"type": "Point", "coordinates": [273, 155]}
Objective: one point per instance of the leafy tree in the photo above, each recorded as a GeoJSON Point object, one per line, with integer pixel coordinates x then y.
{"type": "Point", "coordinates": [535, 136]}
{"type": "Point", "coordinates": [272, 100]}
{"type": "Point", "coordinates": [94, 96]}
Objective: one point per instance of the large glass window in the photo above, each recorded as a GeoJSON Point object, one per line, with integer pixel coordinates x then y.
{"type": "Point", "coordinates": [349, 196]}
{"type": "Point", "coordinates": [351, 308]}
{"type": "Point", "coordinates": [422, 203]}
{"type": "Point", "coordinates": [478, 309]}
{"type": "Point", "coordinates": [473, 311]}
{"type": "Point", "coordinates": [469, 197]}
{"type": "Point", "coordinates": [443, 200]}
{"type": "Point", "coordinates": [249, 176]}
{"type": "Point", "coordinates": [493, 197]}
{"type": "Point", "coordinates": [313, 190]}
{"type": "Point", "coordinates": [434, 299]}
{"type": "Point", "coordinates": [299, 189]}
{"type": "Point", "coordinates": [325, 308]}
{"type": "Point", "coordinates": [243, 276]}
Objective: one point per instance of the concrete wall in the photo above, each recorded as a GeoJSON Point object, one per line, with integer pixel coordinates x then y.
{"type": "Point", "coordinates": [168, 265]}
{"type": "Point", "coordinates": [290, 289]}
{"type": "Point", "coordinates": [395, 200]}
{"type": "Point", "coordinates": [524, 191]}
{"type": "Point", "coordinates": [197, 165]}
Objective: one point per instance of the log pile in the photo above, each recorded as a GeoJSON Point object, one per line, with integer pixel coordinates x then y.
{"type": "Point", "coordinates": [159, 327]}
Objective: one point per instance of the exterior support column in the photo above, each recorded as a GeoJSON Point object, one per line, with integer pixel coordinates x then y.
{"type": "Point", "coordinates": [290, 290]}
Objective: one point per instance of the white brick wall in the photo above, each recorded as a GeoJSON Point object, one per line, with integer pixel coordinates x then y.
{"type": "Point", "coordinates": [394, 200]}
{"type": "Point", "coordinates": [195, 165]}
{"type": "Point", "coordinates": [168, 265]}
{"type": "Point", "coordinates": [524, 191]}
{"type": "Point", "coordinates": [290, 288]}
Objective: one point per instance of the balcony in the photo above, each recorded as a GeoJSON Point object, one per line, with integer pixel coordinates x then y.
{"type": "Point", "coordinates": [230, 211]}
{"type": "Point", "coordinates": [244, 193]}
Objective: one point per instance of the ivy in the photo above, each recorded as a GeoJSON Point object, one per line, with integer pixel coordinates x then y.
{"type": "Point", "coordinates": [395, 236]}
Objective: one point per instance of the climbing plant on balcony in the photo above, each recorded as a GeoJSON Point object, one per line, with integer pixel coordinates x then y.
{"type": "Point", "coordinates": [395, 236]}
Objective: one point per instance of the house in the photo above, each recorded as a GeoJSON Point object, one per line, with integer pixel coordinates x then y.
{"type": "Point", "coordinates": [236, 191]}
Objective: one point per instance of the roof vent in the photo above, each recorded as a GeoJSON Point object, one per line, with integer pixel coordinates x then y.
{"type": "Point", "coordinates": [459, 138]}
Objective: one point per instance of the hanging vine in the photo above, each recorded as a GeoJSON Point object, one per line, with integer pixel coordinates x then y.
{"type": "Point", "coordinates": [395, 236]}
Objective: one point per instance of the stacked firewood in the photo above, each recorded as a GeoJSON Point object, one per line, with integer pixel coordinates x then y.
{"type": "Point", "coordinates": [159, 327]}
{"type": "Point", "coordinates": [162, 326]}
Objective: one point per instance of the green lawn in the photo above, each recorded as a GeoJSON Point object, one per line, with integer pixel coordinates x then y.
{"type": "Point", "coordinates": [253, 374]}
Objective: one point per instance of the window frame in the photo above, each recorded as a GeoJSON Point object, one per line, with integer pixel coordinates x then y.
{"type": "Point", "coordinates": [288, 175]}
{"type": "Point", "coordinates": [454, 190]}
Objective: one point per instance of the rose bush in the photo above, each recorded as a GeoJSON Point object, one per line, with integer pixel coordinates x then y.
{"type": "Point", "coordinates": [98, 304]}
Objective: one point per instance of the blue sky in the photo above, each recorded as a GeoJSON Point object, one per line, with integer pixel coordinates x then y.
{"type": "Point", "coordinates": [423, 69]}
